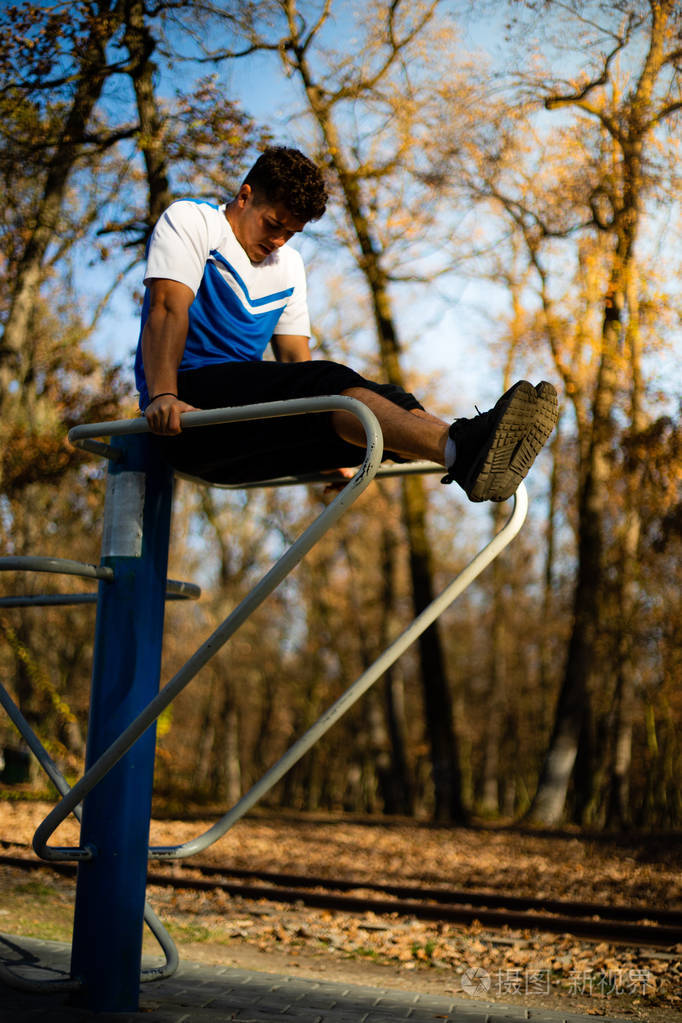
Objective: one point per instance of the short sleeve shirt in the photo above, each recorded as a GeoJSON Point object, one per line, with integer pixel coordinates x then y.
{"type": "Point", "coordinates": [238, 305]}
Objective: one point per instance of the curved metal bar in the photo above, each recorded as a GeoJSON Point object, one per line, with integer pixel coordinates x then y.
{"type": "Point", "coordinates": [167, 945]}
{"type": "Point", "coordinates": [427, 617]}
{"type": "Point", "coordinates": [62, 786]}
{"type": "Point", "coordinates": [59, 566]}
{"type": "Point", "coordinates": [327, 518]}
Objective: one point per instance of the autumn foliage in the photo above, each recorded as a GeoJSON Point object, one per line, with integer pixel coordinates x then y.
{"type": "Point", "coordinates": [551, 180]}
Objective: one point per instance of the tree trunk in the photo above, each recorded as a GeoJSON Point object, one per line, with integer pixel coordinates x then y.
{"type": "Point", "coordinates": [437, 697]}
{"type": "Point", "coordinates": [399, 788]}
{"type": "Point", "coordinates": [586, 661]}
{"type": "Point", "coordinates": [618, 811]}
{"type": "Point", "coordinates": [141, 45]}
{"type": "Point", "coordinates": [386, 742]}
{"type": "Point", "coordinates": [227, 775]}
{"type": "Point", "coordinates": [630, 127]}
{"type": "Point", "coordinates": [582, 660]}
{"type": "Point", "coordinates": [398, 783]}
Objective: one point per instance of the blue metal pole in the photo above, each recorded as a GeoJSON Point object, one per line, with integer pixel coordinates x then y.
{"type": "Point", "coordinates": [110, 891]}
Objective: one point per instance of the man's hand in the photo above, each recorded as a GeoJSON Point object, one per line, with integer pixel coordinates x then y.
{"type": "Point", "coordinates": [163, 414]}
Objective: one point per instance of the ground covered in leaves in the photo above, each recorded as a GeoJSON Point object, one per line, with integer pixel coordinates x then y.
{"type": "Point", "coordinates": [536, 969]}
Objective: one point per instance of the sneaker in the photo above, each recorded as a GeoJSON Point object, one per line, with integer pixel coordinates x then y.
{"type": "Point", "coordinates": [496, 449]}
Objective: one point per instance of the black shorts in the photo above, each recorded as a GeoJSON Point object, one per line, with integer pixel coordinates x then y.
{"type": "Point", "coordinates": [266, 449]}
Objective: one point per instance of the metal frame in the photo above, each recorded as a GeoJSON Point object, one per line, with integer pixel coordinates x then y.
{"type": "Point", "coordinates": [111, 753]}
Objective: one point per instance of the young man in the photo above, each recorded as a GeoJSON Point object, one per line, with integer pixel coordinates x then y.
{"type": "Point", "coordinates": [221, 284]}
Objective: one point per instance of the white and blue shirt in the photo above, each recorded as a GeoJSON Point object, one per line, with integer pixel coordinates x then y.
{"type": "Point", "coordinates": [237, 304]}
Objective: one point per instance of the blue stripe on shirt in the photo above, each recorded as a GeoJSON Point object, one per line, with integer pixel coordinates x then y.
{"type": "Point", "coordinates": [278, 296]}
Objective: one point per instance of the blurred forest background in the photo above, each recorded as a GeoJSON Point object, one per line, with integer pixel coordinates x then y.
{"type": "Point", "coordinates": [541, 171]}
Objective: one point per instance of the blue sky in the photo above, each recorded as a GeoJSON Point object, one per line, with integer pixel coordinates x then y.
{"type": "Point", "coordinates": [448, 341]}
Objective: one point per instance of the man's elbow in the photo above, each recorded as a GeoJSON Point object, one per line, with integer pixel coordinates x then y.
{"type": "Point", "coordinates": [291, 349]}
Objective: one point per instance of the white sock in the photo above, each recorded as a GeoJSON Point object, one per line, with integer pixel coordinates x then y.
{"type": "Point", "coordinates": [450, 453]}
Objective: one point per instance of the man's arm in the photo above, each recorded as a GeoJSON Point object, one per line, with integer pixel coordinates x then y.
{"type": "Point", "coordinates": [163, 343]}
{"type": "Point", "coordinates": [291, 347]}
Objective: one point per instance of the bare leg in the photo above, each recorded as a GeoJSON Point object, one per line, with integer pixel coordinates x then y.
{"type": "Point", "coordinates": [413, 434]}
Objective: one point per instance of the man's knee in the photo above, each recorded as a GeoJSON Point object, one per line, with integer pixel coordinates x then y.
{"type": "Point", "coordinates": [391, 392]}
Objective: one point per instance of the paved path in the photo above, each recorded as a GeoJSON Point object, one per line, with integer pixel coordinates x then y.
{"type": "Point", "coordinates": [213, 994]}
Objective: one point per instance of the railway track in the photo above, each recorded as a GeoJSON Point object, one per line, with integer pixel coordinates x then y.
{"type": "Point", "coordinates": [643, 926]}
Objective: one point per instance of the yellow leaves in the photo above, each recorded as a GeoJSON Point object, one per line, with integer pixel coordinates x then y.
{"type": "Point", "coordinates": [39, 678]}
{"type": "Point", "coordinates": [164, 722]}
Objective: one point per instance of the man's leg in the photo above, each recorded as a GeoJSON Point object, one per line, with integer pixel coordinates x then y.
{"type": "Point", "coordinates": [488, 455]}
{"type": "Point", "coordinates": [259, 450]}
{"type": "Point", "coordinates": [413, 433]}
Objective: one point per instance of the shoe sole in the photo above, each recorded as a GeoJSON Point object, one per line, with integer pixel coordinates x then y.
{"type": "Point", "coordinates": [527, 417]}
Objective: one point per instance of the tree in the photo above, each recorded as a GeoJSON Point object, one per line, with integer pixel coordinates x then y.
{"type": "Point", "coordinates": [588, 195]}
{"type": "Point", "coordinates": [65, 159]}
{"type": "Point", "coordinates": [30, 44]}
{"type": "Point", "coordinates": [52, 505]}
{"type": "Point", "coordinates": [55, 125]}
{"type": "Point", "coordinates": [373, 119]}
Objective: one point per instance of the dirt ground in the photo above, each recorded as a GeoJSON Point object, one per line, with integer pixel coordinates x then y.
{"type": "Point", "coordinates": [509, 967]}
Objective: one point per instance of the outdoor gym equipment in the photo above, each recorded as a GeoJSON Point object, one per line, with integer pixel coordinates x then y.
{"type": "Point", "coordinates": [116, 789]}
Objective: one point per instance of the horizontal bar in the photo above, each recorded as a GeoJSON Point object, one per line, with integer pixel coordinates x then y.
{"type": "Point", "coordinates": [59, 566]}
{"type": "Point", "coordinates": [80, 437]}
{"type": "Point", "coordinates": [384, 472]}
{"type": "Point", "coordinates": [218, 416]}
{"type": "Point", "coordinates": [175, 590]}
{"type": "Point", "coordinates": [49, 600]}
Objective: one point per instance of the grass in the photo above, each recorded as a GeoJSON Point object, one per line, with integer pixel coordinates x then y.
{"type": "Point", "coordinates": [36, 889]}
{"type": "Point", "coordinates": [191, 932]}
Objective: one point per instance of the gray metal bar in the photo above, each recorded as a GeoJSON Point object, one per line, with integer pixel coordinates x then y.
{"type": "Point", "coordinates": [216, 416]}
{"type": "Point", "coordinates": [383, 472]}
{"type": "Point", "coordinates": [62, 786]}
{"type": "Point", "coordinates": [327, 518]}
{"type": "Point", "coordinates": [49, 600]}
{"type": "Point", "coordinates": [96, 447]}
{"type": "Point", "coordinates": [175, 590]}
{"type": "Point", "coordinates": [366, 680]}
{"type": "Point", "coordinates": [59, 566]}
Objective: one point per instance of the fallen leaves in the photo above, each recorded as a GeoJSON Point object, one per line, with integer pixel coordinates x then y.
{"type": "Point", "coordinates": [553, 970]}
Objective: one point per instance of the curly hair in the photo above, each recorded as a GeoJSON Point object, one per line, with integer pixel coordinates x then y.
{"type": "Point", "coordinates": [285, 175]}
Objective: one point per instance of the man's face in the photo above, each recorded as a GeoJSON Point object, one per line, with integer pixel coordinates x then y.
{"type": "Point", "coordinates": [261, 227]}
